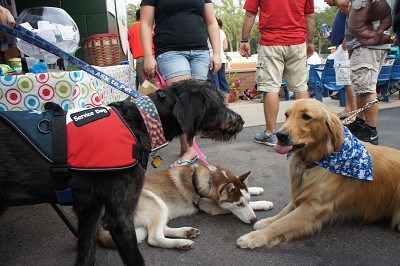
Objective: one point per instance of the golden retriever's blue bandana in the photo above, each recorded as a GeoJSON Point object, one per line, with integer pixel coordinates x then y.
{"type": "Point", "coordinates": [352, 160]}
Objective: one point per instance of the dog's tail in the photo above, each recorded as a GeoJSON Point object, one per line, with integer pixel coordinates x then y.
{"type": "Point", "coordinates": [141, 234]}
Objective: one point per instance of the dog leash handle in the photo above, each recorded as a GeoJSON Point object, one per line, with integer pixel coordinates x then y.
{"type": "Point", "coordinates": [32, 38]}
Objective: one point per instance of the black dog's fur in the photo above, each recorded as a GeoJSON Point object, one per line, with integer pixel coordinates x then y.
{"type": "Point", "coordinates": [187, 106]}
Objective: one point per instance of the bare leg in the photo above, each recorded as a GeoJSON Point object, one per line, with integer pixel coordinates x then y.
{"type": "Point", "coordinates": [271, 108]}
{"type": "Point", "coordinates": [187, 152]}
{"type": "Point", "coordinates": [370, 114]}
{"type": "Point", "coordinates": [350, 100]}
{"type": "Point", "coordinates": [301, 95]}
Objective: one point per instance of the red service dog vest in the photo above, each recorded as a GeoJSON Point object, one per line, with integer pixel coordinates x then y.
{"type": "Point", "coordinates": [98, 138]}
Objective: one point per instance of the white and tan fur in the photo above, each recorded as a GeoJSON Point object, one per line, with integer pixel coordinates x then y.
{"type": "Point", "coordinates": [170, 194]}
{"type": "Point", "coordinates": [318, 195]}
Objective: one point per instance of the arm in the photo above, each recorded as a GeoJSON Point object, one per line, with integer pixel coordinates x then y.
{"type": "Point", "coordinates": [343, 5]}
{"type": "Point", "coordinates": [310, 23]}
{"type": "Point", "coordinates": [146, 38]}
{"type": "Point", "coordinates": [6, 17]}
{"type": "Point", "coordinates": [361, 18]}
{"type": "Point", "coordinates": [225, 45]}
{"type": "Point", "coordinates": [249, 18]}
{"type": "Point", "coordinates": [213, 34]}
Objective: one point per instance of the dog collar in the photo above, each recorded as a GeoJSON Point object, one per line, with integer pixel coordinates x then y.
{"type": "Point", "coordinates": [197, 197]}
{"type": "Point", "coordinates": [152, 121]}
{"type": "Point", "coordinates": [352, 159]}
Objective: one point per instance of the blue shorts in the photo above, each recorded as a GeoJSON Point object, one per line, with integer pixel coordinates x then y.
{"type": "Point", "coordinates": [178, 63]}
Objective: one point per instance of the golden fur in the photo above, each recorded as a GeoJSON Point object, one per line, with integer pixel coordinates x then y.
{"type": "Point", "coordinates": [318, 195]}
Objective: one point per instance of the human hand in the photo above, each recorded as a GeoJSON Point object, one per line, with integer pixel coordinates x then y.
{"type": "Point", "coordinates": [6, 17]}
{"type": "Point", "coordinates": [330, 2]}
{"type": "Point", "coordinates": [149, 66]}
{"type": "Point", "coordinates": [310, 49]}
{"type": "Point", "coordinates": [215, 63]}
{"type": "Point", "coordinates": [244, 49]}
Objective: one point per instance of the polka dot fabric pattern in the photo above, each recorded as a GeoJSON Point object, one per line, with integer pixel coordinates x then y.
{"type": "Point", "coordinates": [71, 89]}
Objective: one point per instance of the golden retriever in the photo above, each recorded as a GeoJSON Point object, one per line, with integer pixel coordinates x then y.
{"type": "Point", "coordinates": [310, 134]}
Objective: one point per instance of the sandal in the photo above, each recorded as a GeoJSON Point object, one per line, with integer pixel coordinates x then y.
{"type": "Point", "coordinates": [184, 162]}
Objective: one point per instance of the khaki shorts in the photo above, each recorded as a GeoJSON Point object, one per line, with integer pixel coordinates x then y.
{"type": "Point", "coordinates": [287, 60]}
{"type": "Point", "coordinates": [365, 65]}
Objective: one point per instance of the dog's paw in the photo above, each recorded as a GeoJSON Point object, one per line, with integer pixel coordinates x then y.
{"type": "Point", "coordinates": [185, 244]}
{"type": "Point", "coordinates": [261, 205]}
{"type": "Point", "coordinates": [251, 240]}
{"type": "Point", "coordinates": [262, 224]}
{"type": "Point", "coordinates": [255, 191]}
{"type": "Point", "coordinates": [192, 233]}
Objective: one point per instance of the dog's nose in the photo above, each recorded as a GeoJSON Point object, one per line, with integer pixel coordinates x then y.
{"type": "Point", "coordinates": [283, 136]}
{"type": "Point", "coordinates": [253, 220]}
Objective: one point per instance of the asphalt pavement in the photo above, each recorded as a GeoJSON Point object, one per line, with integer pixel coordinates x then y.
{"type": "Point", "coordinates": [35, 235]}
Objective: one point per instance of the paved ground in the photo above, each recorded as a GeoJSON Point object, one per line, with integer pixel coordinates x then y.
{"type": "Point", "coordinates": [35, 235]}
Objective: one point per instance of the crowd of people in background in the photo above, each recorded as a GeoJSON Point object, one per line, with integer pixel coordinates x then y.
{"type": "Point", "coordinates": [285, 48]}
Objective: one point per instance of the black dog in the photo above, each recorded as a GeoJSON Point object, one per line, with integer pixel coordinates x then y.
{"type": "Point", "coordinates": [187, 106]}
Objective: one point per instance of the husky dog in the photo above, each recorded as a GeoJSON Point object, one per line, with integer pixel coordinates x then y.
{"type": "Point", "coordinates": [184, 107]}
{"type": "Point", "coordinates": [182, 191]}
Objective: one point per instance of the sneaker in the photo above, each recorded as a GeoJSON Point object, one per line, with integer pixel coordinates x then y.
{"type": "Point", "coordinates": [266, 139]}
{"type": "Point", "coordinates": [369, 135]}
{"type": "Point", "coordinates": [335, 96]}
{"type": "Point", "coordinates": [356, 128]}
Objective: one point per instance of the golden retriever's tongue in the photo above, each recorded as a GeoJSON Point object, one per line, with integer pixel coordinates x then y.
{"type": "Point", "coordinates": [282, 149]}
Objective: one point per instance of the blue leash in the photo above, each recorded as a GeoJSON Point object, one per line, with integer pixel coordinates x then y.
{"type": "Point", "coordinates": [32, 38]}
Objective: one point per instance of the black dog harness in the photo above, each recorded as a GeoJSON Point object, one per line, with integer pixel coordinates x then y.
{"type": "Point", "coordinates": [94, 139]}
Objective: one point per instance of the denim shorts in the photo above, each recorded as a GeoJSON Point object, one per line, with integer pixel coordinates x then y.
{"type": "Point", "coordinates": [177, 63]}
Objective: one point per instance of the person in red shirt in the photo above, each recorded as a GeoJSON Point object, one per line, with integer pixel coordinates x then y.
{"type": "Point", "coordinates": [286, 35]}
{"type": "Point", "coordinates": [136, 48]}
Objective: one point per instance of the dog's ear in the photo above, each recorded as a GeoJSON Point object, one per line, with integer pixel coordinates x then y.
{"type": "Point", "coordinates": [226, 192]}
{"type": "Point", "coordinates": [189, 111]}
{"type": "Point", "coordinates": [243, 177]}
{"type": "Point", "coordinates": [335, 127]}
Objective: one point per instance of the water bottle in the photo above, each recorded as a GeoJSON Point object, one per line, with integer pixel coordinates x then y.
{"type": "Point", "coordinates": [325, 30]}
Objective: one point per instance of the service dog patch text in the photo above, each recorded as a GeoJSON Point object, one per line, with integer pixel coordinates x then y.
{"type": "Point", "coordinates": [89, 115]}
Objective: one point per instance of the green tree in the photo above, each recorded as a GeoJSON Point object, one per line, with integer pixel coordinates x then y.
{"type": "Point", "coordinates": [131, 13]}
{"type": "Point", "coordinates": [231, 13]}
{"type": "Point", "coordinates": [326, 16]}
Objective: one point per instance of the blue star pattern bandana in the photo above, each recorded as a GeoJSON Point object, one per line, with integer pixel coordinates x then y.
{"type": "Point", "coordinates": [352, 160]}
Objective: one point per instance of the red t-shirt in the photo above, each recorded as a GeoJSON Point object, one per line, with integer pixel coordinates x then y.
{"type": "Point", "coordinates": [134, 40]}
{"type": "Point", "coordinates": [281, 22]}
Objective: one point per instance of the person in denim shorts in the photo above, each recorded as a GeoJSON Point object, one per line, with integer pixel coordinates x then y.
{"type": "Point", "coordinates": [286, 35]}
{"type": "Point", "coordinates": [181, 51]}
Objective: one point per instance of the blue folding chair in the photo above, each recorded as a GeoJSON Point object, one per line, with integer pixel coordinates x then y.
{"type": "Point", "coordinates": [314, 77]}
{"type": "Point", "coordinates": [327, 83]}
{"type": "Point", "coordinates": [395, 74]}
{"type": "Point", "coordinates": [384, 79]}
